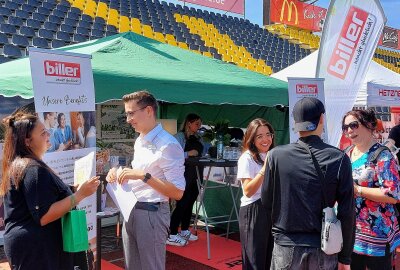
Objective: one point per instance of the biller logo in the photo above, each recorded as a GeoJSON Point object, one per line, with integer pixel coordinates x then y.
{"type": "Point", "coordinates": [347, 43]}
{"type": "Point", "coordinates": [62, 69]}
{"type": "Point", "coordinates": [306, 89]}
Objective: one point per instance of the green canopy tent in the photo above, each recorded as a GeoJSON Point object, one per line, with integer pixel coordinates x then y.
{"type": "Point", "coordinates": [182, 80]}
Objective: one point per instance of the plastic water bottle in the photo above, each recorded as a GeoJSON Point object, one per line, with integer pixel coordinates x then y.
{"type": "Point", "coordinates": [220, 147]}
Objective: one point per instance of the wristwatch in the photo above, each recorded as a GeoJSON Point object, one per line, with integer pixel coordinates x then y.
{"type": "Point", "coordinates": [146, 178]}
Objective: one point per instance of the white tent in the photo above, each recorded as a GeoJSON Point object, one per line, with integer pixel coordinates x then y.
{"type": "Point", "coordinates": [376, 74]}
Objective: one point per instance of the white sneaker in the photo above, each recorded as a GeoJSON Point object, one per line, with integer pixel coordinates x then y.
{"type": "Point", "coordinates": [176, 240]}
{"type": "Point", "coordinates": [188, 235]}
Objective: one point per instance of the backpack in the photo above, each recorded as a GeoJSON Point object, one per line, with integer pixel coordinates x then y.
{"type": "Point", "coordinates": [374, 160]}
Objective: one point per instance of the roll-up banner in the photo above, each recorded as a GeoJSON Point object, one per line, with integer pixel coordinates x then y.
{"type": "Point", "coordinates": [351, 33]}
{"type": "Point", "coordinates": [65, 101]}
{"type": "Point", "coordinates": [304, 87]}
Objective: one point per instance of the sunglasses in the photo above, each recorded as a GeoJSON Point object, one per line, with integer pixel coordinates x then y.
{"type": "Point", "coordinates": [353, 125]}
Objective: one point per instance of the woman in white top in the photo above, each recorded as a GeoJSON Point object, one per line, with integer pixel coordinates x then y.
{"type": "Point", "coordinates": [258, 140]}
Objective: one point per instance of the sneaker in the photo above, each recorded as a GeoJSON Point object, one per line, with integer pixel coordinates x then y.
{"type": "Point", "coordinates": [188, 235]}
{"type": "Point", "coordinates": [176, 240]}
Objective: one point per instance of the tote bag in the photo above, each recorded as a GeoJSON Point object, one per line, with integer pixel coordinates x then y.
{"type": "Point", "coordinates": [74, 231]}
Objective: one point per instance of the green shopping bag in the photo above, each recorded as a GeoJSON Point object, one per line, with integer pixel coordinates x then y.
{"type": "Point", "coordinates": [74, 231]}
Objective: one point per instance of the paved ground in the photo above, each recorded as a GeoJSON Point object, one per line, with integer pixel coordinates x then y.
{"type": "Point", "coordinates": [113, 253]}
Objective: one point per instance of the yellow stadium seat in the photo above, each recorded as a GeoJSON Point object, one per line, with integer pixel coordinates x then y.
{"type": "Point", "coordinates": [90, 12]}
{"type": "Point", "coordinates": [172, 42]}
{"type": "Point", "coordinates": [261, 62]}
{"type": "Point", "coordinates": [208, 54]}
{"type": "Point", "coordinates": [148, 33]}
{"type": "Point", "coordinates": [268, 69]}
{"type": "Point", "coordinates": [170, 37]}
{"type": "Point", "coordinates": [260, 69]}
{"type": "Point", "coordinates": [137, 29]}
{"type": "Point", "coordinates": [147, 28]}
{"type": "Point", "coordinates": [159, 37]}
{"type": "Point", "coordinates": [178, 17]}
{"type": "Point", "coordinates": [185, 19]}
{"type": "Point", "coordinates": [183, 45]}
{"type": "Point", "coordinates": [124, 24]}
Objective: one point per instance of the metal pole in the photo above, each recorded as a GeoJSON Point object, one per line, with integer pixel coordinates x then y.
{"type": "Point", "coordinates": [244, 9]}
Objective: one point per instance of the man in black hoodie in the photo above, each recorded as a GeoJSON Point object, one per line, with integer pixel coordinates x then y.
{"type": "Point", "coordinates": [293, 195]}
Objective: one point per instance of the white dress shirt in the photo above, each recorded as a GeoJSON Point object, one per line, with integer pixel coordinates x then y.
{"type": "Point", "coordinates": [159, 154]}
{"type": "Point", "coordinates": [248, 169]}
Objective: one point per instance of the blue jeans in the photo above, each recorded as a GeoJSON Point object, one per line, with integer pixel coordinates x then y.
{"type": "Point", "coordinates": [297, 257]}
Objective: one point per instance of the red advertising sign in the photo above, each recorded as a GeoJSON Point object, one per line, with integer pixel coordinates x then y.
{"type": "Point", "coordinates": [234, 6]}
{"type": "Point", "coordinates": [390, 38]}
{"type": "Point", "coordinates": [299, 14]}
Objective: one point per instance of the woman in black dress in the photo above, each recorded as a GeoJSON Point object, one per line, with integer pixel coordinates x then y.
{"type": "Point", "coordinates": [35, 198]}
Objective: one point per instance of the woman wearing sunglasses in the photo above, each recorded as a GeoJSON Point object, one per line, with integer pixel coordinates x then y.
{"type": "Point", "coordinates": [376, 187]}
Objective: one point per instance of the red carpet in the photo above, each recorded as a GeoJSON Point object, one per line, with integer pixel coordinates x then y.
{"type": "Point", "coordinates": [225, 254]}
{"type": "Point", "coordinates": [109, 266]}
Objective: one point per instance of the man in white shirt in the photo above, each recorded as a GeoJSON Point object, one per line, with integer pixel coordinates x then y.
{"type": "Point", "coordinates": [158, 171]}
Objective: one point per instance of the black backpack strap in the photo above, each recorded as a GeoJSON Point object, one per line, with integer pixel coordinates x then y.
{"type": "Point", "coordinates": [373, 158]}
{"type": "Point", "coordinates": [348, 149]}
{"type": "Point", "coordinates": [321, 176]}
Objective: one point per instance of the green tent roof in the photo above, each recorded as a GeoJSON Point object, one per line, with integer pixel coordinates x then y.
{"type": "Point", "coordinates": [128, 62]}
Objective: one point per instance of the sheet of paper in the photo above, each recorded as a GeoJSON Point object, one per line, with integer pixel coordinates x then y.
{"type": "Point", "coordinates": [84, 168]}
{"type": "Point", "coordinates": [123, 197]}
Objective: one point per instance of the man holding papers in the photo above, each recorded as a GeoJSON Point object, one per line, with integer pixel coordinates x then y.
{"type": "Point", "coordinates": [156, 175]}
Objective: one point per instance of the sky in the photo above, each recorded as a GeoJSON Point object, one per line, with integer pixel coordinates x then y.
{"type": "Point", "coordinates": [254, 10]}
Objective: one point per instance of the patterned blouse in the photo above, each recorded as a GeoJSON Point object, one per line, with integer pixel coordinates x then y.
{"type": "Point", "coordinates": [376, 223]}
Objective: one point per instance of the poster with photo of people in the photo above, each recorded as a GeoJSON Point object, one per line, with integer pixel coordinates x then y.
{"type": "Point", "coordinates": [70, 130]}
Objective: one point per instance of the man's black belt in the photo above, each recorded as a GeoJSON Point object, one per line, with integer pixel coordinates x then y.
{"type": "Point", "coordinates": [149, 206]}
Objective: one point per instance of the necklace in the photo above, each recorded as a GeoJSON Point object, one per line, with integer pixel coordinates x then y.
{"type": "Point", "coordinates": [356, 153]}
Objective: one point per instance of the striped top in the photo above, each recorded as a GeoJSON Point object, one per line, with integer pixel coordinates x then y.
{"type": "Point", "coordinates": [376, 223]}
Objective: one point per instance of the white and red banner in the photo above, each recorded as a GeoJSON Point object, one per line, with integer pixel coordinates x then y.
{"type": "Point", "coordinates": [382, 95]}
{"type": "Point", "coordinates": [351, 33]}
{"type": "Point", "coordinates": [65, 102]}
{"type": "Point", "coordinates": [299, 88]}
{"type": "Point", "coordinates": [298, 14]}
{"type": "Point", "coordinates": [234, 6]}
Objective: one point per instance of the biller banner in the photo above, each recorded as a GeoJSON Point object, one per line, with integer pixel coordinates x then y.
{"type": "Point", "coordinates": [64, 100]}
{"type": "Point", "coordinates": [298, 14]}
{"type": "Point", "coordinates": [349, 39]}
{"type": "Point", "coordinates": [382, 95]}
{"type": "Point", "coordinates": [299, 88]}
{"type": "Point", "coordinates": [234, 6]}
{"type": "Point", "coordinates": [390, 38]}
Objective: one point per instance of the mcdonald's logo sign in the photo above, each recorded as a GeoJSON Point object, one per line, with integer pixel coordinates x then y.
{"type": "Point", "coordinates": [291, 6]}
{"type": "Point", "coordinates": [296, 13]}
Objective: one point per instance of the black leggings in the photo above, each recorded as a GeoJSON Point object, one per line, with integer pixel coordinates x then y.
{"type": "Point", "coordinates": [363, 262]}
{"type": "Point", "coordinates": [183, 210]}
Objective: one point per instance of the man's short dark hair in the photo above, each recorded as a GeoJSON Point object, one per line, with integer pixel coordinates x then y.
{"type": "Point", "coordinates": [143, 99]}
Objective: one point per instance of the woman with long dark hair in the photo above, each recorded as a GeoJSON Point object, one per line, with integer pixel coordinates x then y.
{"type": "Point", "coordinates": [258, 140]}
{"type": "Point", "coordinates": [377, 189]}
{"type": "Point", "coordinates": [35, 198]}
{"type": "Point", "coordinates": [182, 213]}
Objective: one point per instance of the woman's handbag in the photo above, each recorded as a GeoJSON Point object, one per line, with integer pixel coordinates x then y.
{"type": "Point", "coordinates": [74, 231]}
{"type": "Point", "coordinates": [331, 231]}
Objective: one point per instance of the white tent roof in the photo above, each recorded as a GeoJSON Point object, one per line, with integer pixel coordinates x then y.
{"type": "Point", "coordinates": [376, 74]}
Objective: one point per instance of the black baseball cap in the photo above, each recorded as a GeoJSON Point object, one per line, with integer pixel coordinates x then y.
{"type": "Point", "coordinates": [306, 114]}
